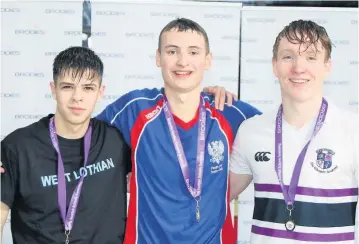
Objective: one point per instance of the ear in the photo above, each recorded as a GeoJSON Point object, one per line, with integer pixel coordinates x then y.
{"type": "Point", "coordinates": [274, 67]}
{"type": "Point", "coordinates": [158, 58]}
{"type": "Point", "coordinates": [328, 65]}
{"type": "Point", "coordinates": [53, 89]}
{"type": "Point", "coordinates": [208, 63]}
{"type": "Point", "coordinates": [101, 93]}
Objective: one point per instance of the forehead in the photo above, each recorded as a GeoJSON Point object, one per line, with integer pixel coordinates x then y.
{"type": "Point", "coordinates": [296, 46]}
{"type": "Point", "coordinates": [182, 38]}
{"type": "Point", "coordinates": [82, 77]}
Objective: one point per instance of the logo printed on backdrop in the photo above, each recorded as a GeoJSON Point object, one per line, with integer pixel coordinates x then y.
{"type": "Point", "coordinates": [229, 78]}
{"type": "Point", "coordinates": [164, 14]}
{"type": "Point", "coordinates": [354, 62]}
{"type": "Point", "coordinates": [110, 13]}
{"type": "Point", "coordinates": [248, 81]}
{"type": "Point", "coordinates": [29, 74]}
{"type": "Point", "coordinates": [110, 97]}
{"type": "Point", "coordinates": [353, 102]}
{"type": "Point", "coordinates": [29, 32]}
{"type": "Point", "coordinates": [111, 55]}
{"type": "Point", "coordinates": [337, 82]}
{"type": "Point", "coordinates": [29, 116]}
{"type": "Point", "coordinates": [248, 40]}
{"type": "Point", "coordinates": [341, 42]}
{"type": "Point", "coordinates": [10, 53]}
{"type": "Point", "coordinates": [354, 22]}
{"type": "Point", "coordinates": [140, 77]}
{"type": "Point", "coordinates": [10, 10]}
{"type": "Point", "coordinates": [79, 33]}
{"type": "Point", "coordinates": [261, 20]}
{"type": "Point", "coordinates": [320, 21]}
{"type": "Point", "coordinates": [48, 95]}
{"type": "Point", "coordinates": [60, 11]}
{"type": "Point", "coordinates": [51, 53]}
{"type": "Point", "coordinates": [10, 95]}
{"type": "Point", "coordinates": [140, 34]}
{"type": "Point", "coordinates": [218, 16]}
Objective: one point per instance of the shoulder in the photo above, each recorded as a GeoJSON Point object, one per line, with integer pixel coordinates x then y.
{"type": "Point", "coordinates": [25, 136]}
{"type": "Point", "coordinates": [238, 108]}
{"type": "Point", "coordinates": [103, 130]}
{"type": "Point", "coordinates": [142, 94]}
{"type": "Point", "coordinates": [258, 123]}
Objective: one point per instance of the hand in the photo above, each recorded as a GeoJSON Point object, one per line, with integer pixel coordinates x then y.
{"type": "Point", "coordinates": [220, 95]}
{"type": "Point", "coordinates": [128, 182]}
{"type": "Point", "coordinates": [2, 170]}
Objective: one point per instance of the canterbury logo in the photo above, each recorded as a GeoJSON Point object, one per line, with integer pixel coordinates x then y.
{"type": "Point", "coordinates": [262, 156]}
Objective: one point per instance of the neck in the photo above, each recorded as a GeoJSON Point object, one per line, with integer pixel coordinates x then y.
{"type": "Point", "coordinates": [183, 104]}
{"type": "Point", "coordinates": [68, 130]}
{"type": "Point", "coordinates": [298, 114]}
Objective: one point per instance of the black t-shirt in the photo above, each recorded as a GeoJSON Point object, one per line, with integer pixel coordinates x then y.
{"type": "Point", "coordinates": [29, 185]}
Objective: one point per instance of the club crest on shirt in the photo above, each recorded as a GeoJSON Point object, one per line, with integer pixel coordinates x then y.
{"type": "Point", "coordinates": [216, 150]}
{"type": "Point", "coordinates": [324, 162]}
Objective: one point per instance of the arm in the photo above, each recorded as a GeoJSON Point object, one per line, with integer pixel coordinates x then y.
{"type": "Point", "coordinates": [240, 171]}
{"type": "Point", "coordinates": [4, 214]}
{"type": "Point", "coordinates": [8, 182]}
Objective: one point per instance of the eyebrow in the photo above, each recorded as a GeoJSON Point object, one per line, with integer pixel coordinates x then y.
{"type": "Point", "coordinates": [71, 84]}
{"type": "Point", "coordinates": [174, 46]}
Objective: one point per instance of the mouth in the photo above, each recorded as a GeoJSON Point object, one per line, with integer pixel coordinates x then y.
{"type": "Point", "coordinates": [299, 81]}
{"type": "Point", "coordinates": [76, 109]}
{"type": "Point", "coordinates": [182, 74]}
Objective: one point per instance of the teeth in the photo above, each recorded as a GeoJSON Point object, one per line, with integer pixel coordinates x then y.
{"type": "Point", "coordinates": [299, 81]}
{"type": "Point", "coordinates": [182, 72]}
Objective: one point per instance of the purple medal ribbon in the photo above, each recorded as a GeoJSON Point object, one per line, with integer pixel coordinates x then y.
{"type": "Point", "coordinates": [290, 192]}
{"type": "Point", "coordinates": [196, 190]}
{"type": "Point", "coordinates": [69, 216]}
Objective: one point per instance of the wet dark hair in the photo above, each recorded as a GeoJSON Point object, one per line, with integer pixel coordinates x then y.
{"type": "Point", "coordinates": [305, 32]}
{"type": "Point", "coordinates": [79, 62]}
{"type": "Point", "coordinates": [182, 25]}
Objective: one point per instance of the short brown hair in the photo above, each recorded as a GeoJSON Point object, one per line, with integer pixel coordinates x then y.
{"type": "Point", "coordinates": [305, 32]}
{"type": "Point", "coordinates": [182, 25]}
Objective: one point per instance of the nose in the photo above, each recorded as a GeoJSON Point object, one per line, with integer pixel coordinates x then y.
{"type": "Point", "coordinates": [77, 94]}
{"type": "Point", "coordinates": [182, 60]}
{"type": "Point", "coordinates": [299, 65]}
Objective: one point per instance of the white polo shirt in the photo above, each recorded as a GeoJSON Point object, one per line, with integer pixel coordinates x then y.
{"type": "Point", "coordinates": [326, 199]}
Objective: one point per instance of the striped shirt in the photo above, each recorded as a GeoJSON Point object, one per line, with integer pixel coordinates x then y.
{"type": "Point", "coordinates": [327, 193]}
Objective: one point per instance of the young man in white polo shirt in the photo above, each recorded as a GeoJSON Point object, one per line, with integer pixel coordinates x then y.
{"type": "Point", "coordinates": [303, 157]}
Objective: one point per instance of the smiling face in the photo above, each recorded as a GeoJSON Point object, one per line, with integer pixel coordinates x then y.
{"type": "Point", "coordinates": [183, 57]}
{"type": "Point", "coordinates": [301, 60]}
{"type": "Point", "coordinates": [301, 70]}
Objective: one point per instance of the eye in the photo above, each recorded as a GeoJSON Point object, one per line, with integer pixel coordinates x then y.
{"type": "Point", "coordinates": [194, 53]}
{"type": "Point", "coordinates": [171, 52]}
{"type": "Point", "coordinates": [312, 58]}
{"type": "Point", "coordinates": [89, 88]}
{"type": "Point", "coordinates": [67, 87]}
{"type": "Point", "coordinates": [287, 57]}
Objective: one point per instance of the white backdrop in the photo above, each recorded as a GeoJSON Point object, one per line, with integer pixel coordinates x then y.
{"type": "Point", "coordinates": [125, 36]}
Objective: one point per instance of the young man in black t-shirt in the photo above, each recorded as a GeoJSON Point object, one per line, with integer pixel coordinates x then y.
{"type": "Point", "coordinates": [53, 194]}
